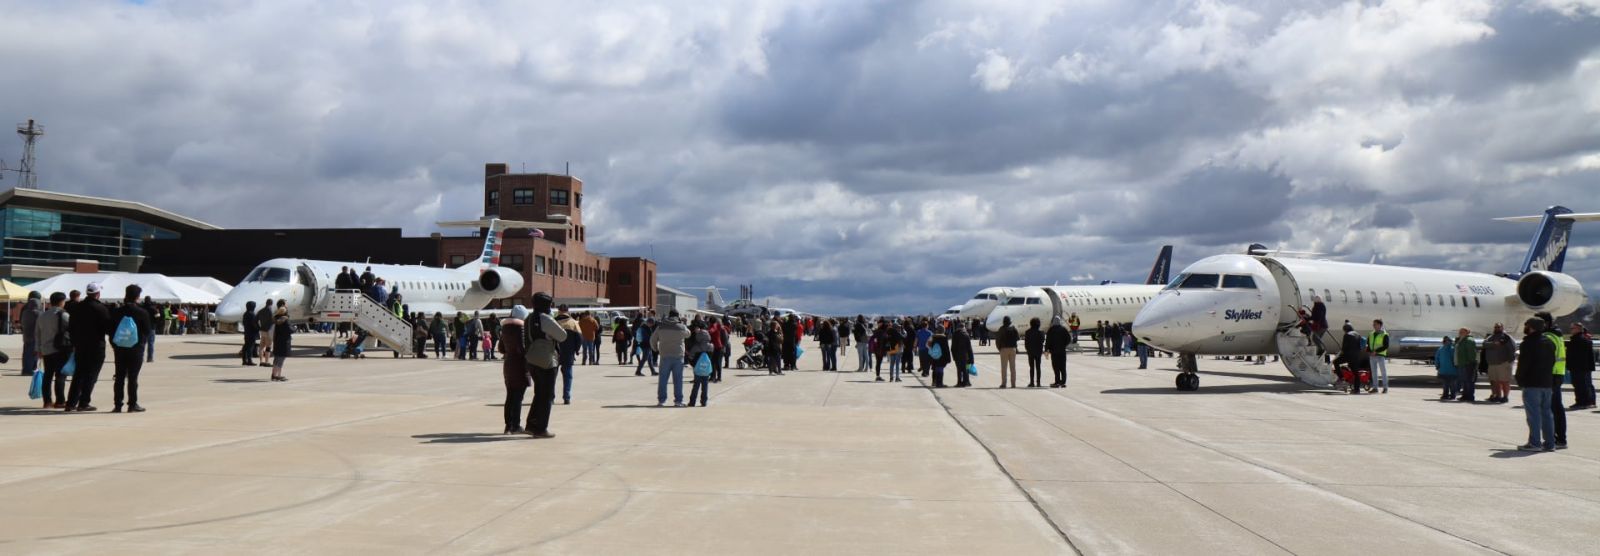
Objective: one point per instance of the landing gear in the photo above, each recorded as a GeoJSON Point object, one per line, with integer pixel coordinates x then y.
{"type": "Point", "coordinates": [1188, 380]}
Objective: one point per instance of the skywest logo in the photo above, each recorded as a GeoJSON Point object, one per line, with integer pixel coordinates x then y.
{"type": "Point", "coordinates": [1553, 249]}
{"type": "Point", "coordinates": [1241, 314]}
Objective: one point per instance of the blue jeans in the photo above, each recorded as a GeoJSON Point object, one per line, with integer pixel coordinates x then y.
{"type": "Point", "coordinates": [644, 357]}
{"type": "Point", "coordinates": [1144, 356]}
{"type": "Point", "coordinates": [1380, 372]}
{"type": "Point", "coordinates": [566, 382]}
{"type": "Point", "coordinates": [894, 366]}
{"type": "Point", "coordinates": [150, 349]}
{"type": "Point", "coordinates": [673, 367]}
{"type": "Point", "coordinates": [1541, 422]}
{"type": "Point", "coordinates": [30, 358]}
{"type": "Point", "coordinates": [830, 357]}
{"type": "Point", "coordinates": [863, 358]}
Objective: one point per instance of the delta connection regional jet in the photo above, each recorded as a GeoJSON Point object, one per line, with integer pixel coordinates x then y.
{"type": "Point", "coordinates": [1246, 304]}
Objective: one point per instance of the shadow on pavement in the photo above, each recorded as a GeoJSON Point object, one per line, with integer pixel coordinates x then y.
{"type": "Point", "coordinates": [28, 411]}
{"type": "Point", "coordinates": [238, 380]}
{"type": "Point", "coordinates": [1511, 453]}
{"type": "Point", "coordinates": [466, 437]}
{"type": "Point", "coordinates": [633, 406]}
{"type": "Point", "coordinates": [1295, 388]}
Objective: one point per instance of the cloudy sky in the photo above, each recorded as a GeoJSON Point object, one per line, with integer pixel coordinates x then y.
{"type": "Point", "coordinates": [844, 156]}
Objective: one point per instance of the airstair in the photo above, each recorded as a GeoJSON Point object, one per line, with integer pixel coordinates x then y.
{"type": "Point", "coordinates": [1300, 356]}
{"type": "Point", "coordinates": [354, 307]}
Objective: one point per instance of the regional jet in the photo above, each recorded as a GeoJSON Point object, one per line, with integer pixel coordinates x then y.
{"type": "Point", "coordinates": [1246, 304]}
{"type": "Point", "coordinates": [1114, 303]}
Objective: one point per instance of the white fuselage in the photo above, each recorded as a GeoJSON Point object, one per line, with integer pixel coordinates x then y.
{"type": "Point", "coordinates": [1113, 303]}
{"type": "Point", "coordinates": [424, 289]}
{"type": "Point", "coordinates": [1234, 304]}
{"type": "Point", "coordinates": [980, 305]}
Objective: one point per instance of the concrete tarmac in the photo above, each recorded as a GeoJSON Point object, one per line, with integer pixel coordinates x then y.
{"type": "Point", "coordinates": [403, 456]}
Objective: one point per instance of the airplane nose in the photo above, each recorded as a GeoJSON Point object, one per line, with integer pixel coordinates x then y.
{"type": "Point", "coordinates": [1154, 322]}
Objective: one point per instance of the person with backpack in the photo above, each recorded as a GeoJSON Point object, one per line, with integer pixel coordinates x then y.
{"type": "Point", "coordinates": [88, 323]}
{"type": "Point", "coordinates": [622, 338]}
{"type": "Point", "coordinates": [1056, 340]}
{"type": "Point", "coordinates": [542, 340]}
{"type": "Point", "coordinates": [939, 354]}
{"type": "Point", "coordinates": [1033, 342]}
{"type": "Point", "coordinates": [643, 329]}
{"type": "Point", "coordinates": [700, 352]}
{"type": "Point", "coordinates": [127, 347]}
{"type": "Point", "coordinates": [55, 347]}
{"type": "Point", "coordinates": [571, 349]}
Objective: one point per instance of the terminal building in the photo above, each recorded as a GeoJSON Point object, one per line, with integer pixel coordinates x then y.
{"type": "Point", "coordinates": [46, 233]}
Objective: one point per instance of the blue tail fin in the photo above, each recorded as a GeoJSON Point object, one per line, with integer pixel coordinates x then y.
{"type": "Point", "coordinates": [1549, 248]}
{"type": "Point", "coordinates": [1160, 274]}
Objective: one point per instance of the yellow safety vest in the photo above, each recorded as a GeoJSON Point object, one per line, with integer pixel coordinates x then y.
{"type": "Point", "coordinates": [1372, 342]}
{"type": "Point", "coordinates": [1560, 368]}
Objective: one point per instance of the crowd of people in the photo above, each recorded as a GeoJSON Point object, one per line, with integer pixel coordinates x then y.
{"type": "Point", "coordinates": [70, 334]}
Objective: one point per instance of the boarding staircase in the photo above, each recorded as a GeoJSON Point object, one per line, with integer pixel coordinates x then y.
{"type": "Point", "coordinates": [1299, 354]}
{"type": "Point", "coordinates": [354, 307]}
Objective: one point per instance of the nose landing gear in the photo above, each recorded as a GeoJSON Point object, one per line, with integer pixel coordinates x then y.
{"type": "Point", "coordinates": [1188, 380]}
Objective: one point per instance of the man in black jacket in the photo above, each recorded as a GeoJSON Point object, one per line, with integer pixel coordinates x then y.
{"type": "Point", "coordinates": [1006, 341]}
{"type": "Point", "coordinates": [1580, 366]}
{"type": "Point", "coordinates": [961, 352]}
{"type": "Point", "coordinates": [252, 333]}
{"type": "Point", "coordinates": [1351, 354]}
{"type": "Point", "coordinates": [88, 321]}
{"type": "Point", "coordinates": [1535, 374]}
{"type": "Point", "coordinates": [1056, 340]}
{"type": "Point", "coordinates": [130, 359]}
{"type": "Point", "coordinates": [1033, 343]}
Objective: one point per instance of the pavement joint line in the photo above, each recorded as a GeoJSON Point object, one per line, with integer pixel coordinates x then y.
{"type": "Point", "coordinates": [1168, 486]}
{"type": "Point", "coordinates": [1018, 500]}
{"type": "Point", "coordinates": [917, 376]}
{"type": "Point", "coordinates": [1271, 469]}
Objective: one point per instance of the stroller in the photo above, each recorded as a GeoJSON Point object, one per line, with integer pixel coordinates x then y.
{"type": "Point", "coordinates": [1353, 381]}
{"type": "Point", "coordinates": [752, 358]}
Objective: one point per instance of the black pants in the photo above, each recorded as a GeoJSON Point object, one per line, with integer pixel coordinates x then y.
{"type": "Point", "coordinates": [250, 348]}
{"type": "Point", "coordinates": [52, 376]}
{"type": "Point", "coordinates": [1582, 387]}
{"type": "Point", "coordinates": [1058, 363]}
{"type": "Point", "coordinates": [1559, 409]}
{"type": "Point", "coordinates": [877, 369]}
{"type": "Point", "coordinates": [1035, 368]}
{"type": "Point", "coordinates": [716, 365]}
{"type": "Point", "coordinates": [87, 363]}
{"type": "Point", "coordinates": [513, 407]}
{"type": "Point", "coordinates": [544, 396]}
{"type": "Point", "coordinates": [128, 364]}
{"type": "Point", "coordinates": [963, 378]}
{"type": "Point", "coordinates": [788, 356]}
{"type": "Point", "coordinates": [701, 388]}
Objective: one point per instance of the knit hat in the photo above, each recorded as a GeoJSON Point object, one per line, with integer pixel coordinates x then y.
{"type": "Point", "coordinates": [519, 312]}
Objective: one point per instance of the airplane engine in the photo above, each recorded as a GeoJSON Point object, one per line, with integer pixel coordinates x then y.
{"type": "Point", "coordinates": [500, 282]}
{"type": "Point", "coordinates": [1553, 292]}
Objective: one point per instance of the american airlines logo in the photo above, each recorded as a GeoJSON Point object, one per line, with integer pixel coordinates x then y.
{"type": "Point", "coordinates": [1241, 314]}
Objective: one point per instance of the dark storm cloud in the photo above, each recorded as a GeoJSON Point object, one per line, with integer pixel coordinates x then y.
{"type": "Point", "coordinates": [844, 156]}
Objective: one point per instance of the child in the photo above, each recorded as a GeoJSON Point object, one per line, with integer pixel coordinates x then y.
{"type": "Point", "coordinates": [702, 380]}
{"type": "Point", "coordinates": [1445, 361]}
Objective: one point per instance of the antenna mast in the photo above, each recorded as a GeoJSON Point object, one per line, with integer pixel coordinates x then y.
{"type": "Point", "coordinates": [30, 132]}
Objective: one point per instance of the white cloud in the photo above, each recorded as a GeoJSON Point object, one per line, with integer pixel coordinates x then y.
{"type": "Point", "coordinates": [995, 73]}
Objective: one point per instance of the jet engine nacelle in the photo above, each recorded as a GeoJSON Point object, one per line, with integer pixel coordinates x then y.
{"type": "Point", "coordinates": [1552, 292]}
{"type": "Point", "coordinates": [500, 282]}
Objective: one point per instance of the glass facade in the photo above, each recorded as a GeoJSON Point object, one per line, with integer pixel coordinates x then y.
{"type": "Point", "coordinates": [38, 236]}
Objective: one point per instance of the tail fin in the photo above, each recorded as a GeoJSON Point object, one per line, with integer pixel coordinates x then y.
{"type": "Point", "coordinates": [1160, 274]}
{"type": "Point", "coordinates": [494, 233]}
{"type": "Point", "coordinates": [714, 297]}
{"type": "Point", "coordinates": [1549, 248]}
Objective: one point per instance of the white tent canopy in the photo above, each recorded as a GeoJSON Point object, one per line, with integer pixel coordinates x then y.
{"type": "Point", "coordinates": [157, 287]}
{"type": "Point", "coordinates": [206, 283]}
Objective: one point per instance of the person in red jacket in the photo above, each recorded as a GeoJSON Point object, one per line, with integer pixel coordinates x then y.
{"type": "Point", "coordinates": [718, 348]}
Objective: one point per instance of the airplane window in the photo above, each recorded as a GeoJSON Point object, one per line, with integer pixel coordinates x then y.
{"type": "Point", "coordinates": [1358, 296]}
{"type": "Point", "coordinates": [255, 275]}
{"type": "Point", "coordinates": [980, 296]}
{"type": "Point", "coordinates": [1174, 283]}
{"type": "Point", "coordinates": [1015, 301]}
{"type": "Point", "coordinates": [1389, 296]}
{"type": "Point", "coordinates": [1344, 297]}
{"type": "Point", "coordinates": [1034, 301]}
{"type": "Point", "coordinates": [1430, 299]}
{"type": "Point", "coordinates": [1402, 299]}
{"type": "Point", "coordinates": [1238, 281]}
{"type": "Point", "coordinates": [1452, 302]}
{"type": "Point", "coordinates": [1374, 296]}
{"type": "Point", "coordinates": [1463, 301]}
{"type": "Point", "coordinates": [277, 275]}
{"type": "Point", "coordinates": [1414, 300]}
{"type": "Point", "coordinates": [1199, 282]}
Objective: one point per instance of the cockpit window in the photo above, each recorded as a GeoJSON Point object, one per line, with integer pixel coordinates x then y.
{"type": "Point", "coordinates": [1035, 301]}
{"type": "Point", "coordinates": [276, 275]}
{"type": "Point", "coordinates": [1198, 282]}
{"type": "Point", "coordinates": [994, 297]}
{"type": "Point", "coordinates": [255, 275]}
{"type": "Point", "coordinates": [981, 296]}
{"type": "Point", "coordinates": [1240, 282]}
{"type": "Point", "coordinates": [1174, 283]}
{"type": "Point", "coordinates": [1016, 301]}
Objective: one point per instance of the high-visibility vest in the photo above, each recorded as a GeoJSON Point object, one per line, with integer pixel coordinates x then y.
{"type": "Point", "coordinates": [1560, 368]}
{"type": "Point", "coordinates": [1372, 342]}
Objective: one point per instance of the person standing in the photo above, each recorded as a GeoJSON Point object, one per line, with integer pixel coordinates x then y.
{"type": "Point", "coordinates": [668, 340]}
{"type": "Point", "coordinates": [474, 336]}
{"type": "Point", "coordinates": [828, 341]}
{"type": "Point", "coordinates": [492, 326]}
{"type": "Point", "coordinates": [1558, 370]}
{"type": "Point", "coordinates": [264, 324]}
{"type": "Point", "coordinates": [252, 333]}
{"type": "Point", "coordinates": [622, 338]}
{"type": "Point", "coordinates": [772, 346]}
{"type": "Point", "coordinates": [1006, 341]}
{"type": "Point", "coordinates": [858, 333]}
{"type": "Point", "coordinates": [1073, 324]}
{"type": "Point", "coordinates": [282, 340]}
{"type": "Point", "coordinates": [699, 348]}
{"type": "Point", "coordinates": [719, 349]}
{"type": "Point", "coordinates": [924, 335]}
{"type": "Point", "coordinates": [643, 329]}
{"type": "Point", "coordinates": [1466, 359]}
{"type": "Point", "coordinates": [1499, 350]}
{"type": "Point", "coordinates": [961, 354]}
{"type": "Point", "coordinates": [1099, 336]}
{"type": "Point", "coordinates": [1378, 356]}
{"type": "Point", "coordinates": [1580, 366]}
{"type": "Point", "coordinates": [30, 333]}
{"type": "Point", "coordinates": [590, 328]}
{"type": "Point", "coordinates": [1033, 342]}
{"type": "Point", "coordinates": [791, 342]}
{"type": "Point", "coordinates": [1444, 361]}
{"type": "Point", "coordinates": [129, 360]}
{"type": "Point", "coordinates": [542, 338]}
{"type": "Point", "coordinates": [569, 352]}
{"type": "Point", "coordinates": [439, 329]}
{"type": "Point", "coordinates": [55, 346]}
{"type": "Point", "coordinates": [514, 368]}
{"type": "Point", "coordinates": [939, 350]}
{"type": "Point", "coordinates": [1056, 340]}
{"type": "Point", "coordinates": [150, 340]}
{"type": "Point", "coordinates": [89, 321]}
{"type": "Point", "coordinates": [1534, 374]}
{"type": "Point", "coordinates": [1319, 323]}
